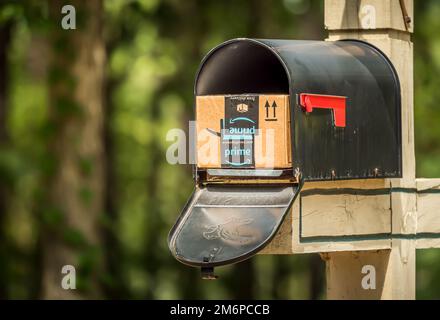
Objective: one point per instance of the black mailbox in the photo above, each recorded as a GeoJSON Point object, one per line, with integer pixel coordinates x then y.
{"type": "Point", "coordinates": [344, 117]}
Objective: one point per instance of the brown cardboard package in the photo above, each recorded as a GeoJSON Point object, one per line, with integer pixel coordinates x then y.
{"type": "Point", "coordinates": [243, 131]}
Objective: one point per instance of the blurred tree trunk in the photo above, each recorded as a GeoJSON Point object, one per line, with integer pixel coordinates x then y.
{"type": "Point", "coordinates": [110, 199]}
{"type": "Point", "coordinates": [114, 288]}
{"type": "Point", "coordinates": [282, 270]}
{"type": "Point", "coordinates": [5, 37]}
{"type": "Point", "coordinates": [311, 24]}
{"type": "Point", "coordinates": [317, 281]}
{"type": "Point", "coordinates": [189, 24]}
{"type": "Point", "coordinates": [75, 163]}
{"type": "Point", "coordinates": [244, 272]}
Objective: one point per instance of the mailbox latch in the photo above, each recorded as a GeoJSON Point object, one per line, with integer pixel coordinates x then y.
{"type": "Point", "coordinates": [336, 103]}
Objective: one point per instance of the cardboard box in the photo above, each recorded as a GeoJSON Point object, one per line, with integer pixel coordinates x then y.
{"type": "Point", "coordinates": [243, 131]}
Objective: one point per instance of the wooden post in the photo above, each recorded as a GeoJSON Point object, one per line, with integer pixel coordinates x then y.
{"type": "Point", "coordinates": [382, 23]}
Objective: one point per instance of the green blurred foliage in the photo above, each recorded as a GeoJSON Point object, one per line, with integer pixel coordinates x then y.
{"type": "Point", "coordinates": [153, 50]}
{"type": "Point", "coordinates": [427, 130]}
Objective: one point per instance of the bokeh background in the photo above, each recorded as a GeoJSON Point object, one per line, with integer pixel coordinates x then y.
{"type": "Point", "coordinates": [83, 119]}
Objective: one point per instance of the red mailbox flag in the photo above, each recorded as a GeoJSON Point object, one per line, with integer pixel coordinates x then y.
{"type": "Point", "coordinates": [336, 103]}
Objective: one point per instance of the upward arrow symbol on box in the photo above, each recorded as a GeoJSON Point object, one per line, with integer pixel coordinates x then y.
{"type": "Point", "coordinates": [267, 106]}
{"type": "Point", "coordinates": [274, 106]}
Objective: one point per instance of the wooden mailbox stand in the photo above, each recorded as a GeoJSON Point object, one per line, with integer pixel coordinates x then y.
{"type": "Point", "coordinates": [380, 222]}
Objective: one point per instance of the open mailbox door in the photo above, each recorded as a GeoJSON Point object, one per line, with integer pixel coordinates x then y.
{"type": "Point", "coordinates": [226, 224]}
